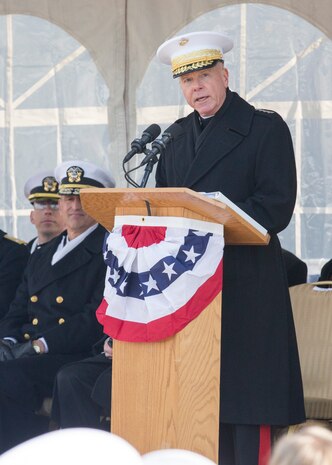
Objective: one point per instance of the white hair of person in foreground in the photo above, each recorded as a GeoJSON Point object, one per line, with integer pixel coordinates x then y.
{"type": "Point", "coordinates": [310, 445]}
{"type": "Point", "coordinates": [84, 446]}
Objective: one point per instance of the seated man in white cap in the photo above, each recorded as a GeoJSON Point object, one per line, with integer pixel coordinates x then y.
{"type": "Point", "coordinates": [42, 192]}
{"type": "Point", "coordinates": [52, 319]}
{"type": "Point", "coordinates": [247, 154]}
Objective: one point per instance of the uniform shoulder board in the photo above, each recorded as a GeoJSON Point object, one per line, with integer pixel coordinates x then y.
{"type": "Point", "coordinates": [265, 111]}
{"type": "Point", "coordinates": [14, 239]}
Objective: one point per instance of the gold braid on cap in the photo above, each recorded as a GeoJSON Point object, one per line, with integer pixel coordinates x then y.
{"type": "Point", "coordinates": [43, 195]}
{"type": "Point", "coordinates": [194, 60]}
{"type": "Point", "coordinates": [74, 186]}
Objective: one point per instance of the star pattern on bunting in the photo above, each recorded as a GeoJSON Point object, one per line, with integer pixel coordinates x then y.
{"type": "Point", "coordinates": [115, 276]}
{"type": "Point", "coordinates": [169, 270]}
{"type": "Point", "coordinates": [191, 254]}
{"type": "Point", "coordinates": [154, 280]}
{"type": "Point", "coordinates": [123, 285]}
{"type": "Point", "coordinates": [151, 284]}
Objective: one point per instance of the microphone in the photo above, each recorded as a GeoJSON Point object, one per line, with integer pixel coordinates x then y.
{"type": "Point", "coordinates": [138, 145]}
{"type": "Point", "coordinates": [159, 145]}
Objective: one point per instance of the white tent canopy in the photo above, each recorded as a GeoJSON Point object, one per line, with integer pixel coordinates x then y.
{"type": "Point", "coordinates": [122, 36]}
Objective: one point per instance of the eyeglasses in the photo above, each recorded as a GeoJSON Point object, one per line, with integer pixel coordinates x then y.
{"type": "Point", "coordinates": [43, 204]}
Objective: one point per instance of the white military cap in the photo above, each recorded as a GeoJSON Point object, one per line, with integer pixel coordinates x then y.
{"type": "Point", "coordinates": [194, 51]}
{"type": "Point", "coordinates": [42, 185]}
{"type": "Point", "coordinates": [74, 175]}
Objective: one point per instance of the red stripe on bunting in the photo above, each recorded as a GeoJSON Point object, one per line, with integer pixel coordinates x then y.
{"type": "Point", "coordinates": [166, 326]}
{"type": "Point", "coordinates": [143, 236]}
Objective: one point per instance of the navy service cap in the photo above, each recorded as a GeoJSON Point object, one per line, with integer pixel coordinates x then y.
{"type": "Point", "coordinates": [42, 186]}
{"type": "Point", "coordinates": [194, 51]}
{"type": "Point", "coordinates": [74, 175]}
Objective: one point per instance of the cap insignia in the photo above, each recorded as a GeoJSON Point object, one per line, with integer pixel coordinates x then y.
{"type": "Point", "coordinates": [183, 42]}
{"type": "Point", "coordinates": [75, 174]}
{"type": "Point", "coordinates": [50, 184]}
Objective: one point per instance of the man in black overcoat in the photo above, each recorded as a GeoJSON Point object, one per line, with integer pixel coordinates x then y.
{"type": "Point", "coordinates": [52, 320]}
{"type": "Point", "coordinates": [14, 255]}
{"type": "Point", "coordinates": [227, 145]}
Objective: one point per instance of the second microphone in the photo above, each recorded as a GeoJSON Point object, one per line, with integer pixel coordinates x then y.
{"type": "Point", "coordinates": [138, 145]}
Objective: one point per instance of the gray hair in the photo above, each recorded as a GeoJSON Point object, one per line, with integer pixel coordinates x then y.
{"type": "Point", "coordinates": [311, 445]}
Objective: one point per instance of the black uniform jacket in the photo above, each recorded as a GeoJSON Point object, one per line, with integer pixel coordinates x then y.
{"type": "Point", "coordinates": [59, 302]}
{"type": "Point", "coordinates": [247, 154]}
{"type": "Point", "coordinates": [326, 272]}
{"type": "Point", "coordinates": [297, 270]}
{"type": "Point", "coordinates": [13, 259]}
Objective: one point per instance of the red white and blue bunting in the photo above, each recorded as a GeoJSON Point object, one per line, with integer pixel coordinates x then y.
{"type": "Point", "coordinates": [162, 272]}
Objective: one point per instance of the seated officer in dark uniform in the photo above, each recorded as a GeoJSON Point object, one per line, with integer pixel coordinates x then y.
{"type": "Point", "coordinates": [52, 319]}
{"type": "Point", "coordinates": [296, 269]}
{"type": "Point", "coordinates": [14, 255]}
{"type": "Point", "coordinates": [82, 391]}
{"type": "Point", "coordinates": [42, 192]}
{"type": "Point", "coordinates": [326, 272]}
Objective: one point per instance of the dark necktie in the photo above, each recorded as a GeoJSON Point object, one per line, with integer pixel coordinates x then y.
{"type": "Point", "coordinates": [204, 122]}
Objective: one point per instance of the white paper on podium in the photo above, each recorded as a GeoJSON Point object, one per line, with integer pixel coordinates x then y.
{"type": "Point", "coordinates": [222, 198]}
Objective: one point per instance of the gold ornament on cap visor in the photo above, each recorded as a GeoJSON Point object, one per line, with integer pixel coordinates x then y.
{"type": "Point", "coordinates": [183, 42]}
{"type": "Point", "coordinates": [195, 60]}
{"type": "Point", "coordinates": [194, 51]}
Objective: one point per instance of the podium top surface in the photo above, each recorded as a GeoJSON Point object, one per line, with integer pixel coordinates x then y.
{"type": "Point", "coordinates": [104, 203]}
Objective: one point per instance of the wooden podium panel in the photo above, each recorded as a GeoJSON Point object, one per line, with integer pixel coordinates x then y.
{"type": "Point", "coordinates": [166, 394]}
{"type": "Point", "coordinates": [102, 204]}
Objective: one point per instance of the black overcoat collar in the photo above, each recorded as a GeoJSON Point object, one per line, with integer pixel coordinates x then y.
{"type": "Point", "coordinates": [221, 136]}
{"type": "Point", "coordinates": [43, 273]}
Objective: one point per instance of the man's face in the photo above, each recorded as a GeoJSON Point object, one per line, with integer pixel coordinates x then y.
{"type": "Point", "coordinates": [47, 219]}
{"type": "Point", "coordinates": [75, 218]}
{"type": "Point", "coordinates": [205, 90]}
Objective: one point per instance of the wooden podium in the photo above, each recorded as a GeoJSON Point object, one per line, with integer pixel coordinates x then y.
{"type": "Point", "coordinates": [166, 394]}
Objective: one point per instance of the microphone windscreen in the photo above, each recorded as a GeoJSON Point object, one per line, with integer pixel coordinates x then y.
{"type": "Point", "coordinates": [153, 131]}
